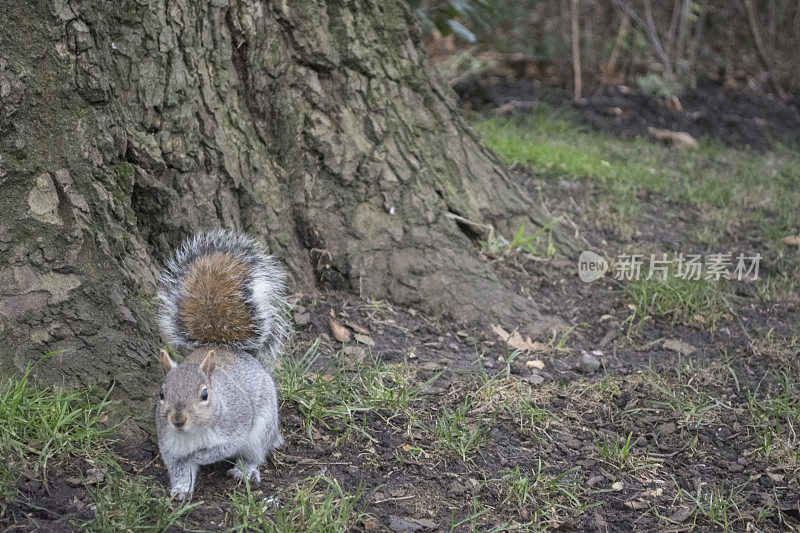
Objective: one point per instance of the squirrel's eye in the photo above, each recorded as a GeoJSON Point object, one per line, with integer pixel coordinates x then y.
{"type": "Point", "coordinates": [161, 394]}
{"type": "Point", "coordinates": [204, 395]}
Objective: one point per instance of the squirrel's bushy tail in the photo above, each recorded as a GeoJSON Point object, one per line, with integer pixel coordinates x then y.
{"type": "Point", "coordinates": [222, 288]}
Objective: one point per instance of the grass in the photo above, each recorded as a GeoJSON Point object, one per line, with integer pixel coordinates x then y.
{"type": "Point", "coordinates": [775, 414]}
{"type": "Point", "coordinates": [338, 393]}
{"type": "Point", "coordinates": [726, 187]}
{"type": "Point", "coordinates": [459, 433]}
{"type": "Point", "coordinates": [688, 301]}
{"type": "Point", "coordinates": [316, 504]}
{"type": "Point", "coordinates": [124, 502]}
{"type": "Point", "coordinates": [39, 426]}
{"type": "Point", "coordinates": [685, 394]}
{"type": "Point", "coordinates": [543, 497]}
{"type": "Point", "coordinates": [723, 508]}
{"type": "Point", "coordinates": [619, 454]}
{"type": "Point", "coordinates": [537, 244]}
{"type": "Point", "coordinates": [45, 423]}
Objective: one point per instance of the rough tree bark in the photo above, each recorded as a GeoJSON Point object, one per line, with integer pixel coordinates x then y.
{"type": "Point", "coordinates": [318, 126]}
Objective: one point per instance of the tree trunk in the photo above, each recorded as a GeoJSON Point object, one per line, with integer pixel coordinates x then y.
{"type": "Point", "coordinates": [317, 126]}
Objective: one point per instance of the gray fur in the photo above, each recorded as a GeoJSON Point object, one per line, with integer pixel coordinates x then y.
{"type": "Point", "coordinates": [265, 292]}
{"type": "Point", "coordinates": [239, 420]}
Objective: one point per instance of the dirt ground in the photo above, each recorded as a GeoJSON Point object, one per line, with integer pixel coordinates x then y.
{"type": "Point", "coordinates": [632, 425]}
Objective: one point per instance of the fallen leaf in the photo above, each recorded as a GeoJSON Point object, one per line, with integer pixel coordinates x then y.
{"type": "Point", "coordinates": [678, 138]}
{"type": "Point", "coordinates": [775, 477]}
{"type": "Point", "coordinates": [340, 333]}
{"type": "Point", "coordinates": [355, 351]}
{"type": "Point", "coordinates": [674, 104]}
{"type": "Point", "coordinates": [94, 476]}
{"type": "Point", "coordinates": [594, 480]}
{"type": "Point", "coordinates": [364, 339]}
{"type": "Point", "coordinates": [517, 341]}
{"type": "Point", "coordinates": [357, 328]}
{"type": "Point", "coordinates": [677, 345]}
{"type": "Point", "coordinates": [637, 504]}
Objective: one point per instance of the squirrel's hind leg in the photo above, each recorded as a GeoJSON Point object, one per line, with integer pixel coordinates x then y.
{"type": "Point", "coordinates": [264, 438]}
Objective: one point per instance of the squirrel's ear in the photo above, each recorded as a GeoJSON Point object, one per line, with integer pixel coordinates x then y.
{"type": "Point", "coordinates": [208, 363]}
{"type": "Point", "coordinates": [167, 364]}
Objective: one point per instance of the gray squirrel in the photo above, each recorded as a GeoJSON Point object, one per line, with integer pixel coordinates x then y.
{"type": "Point", "coordinates": [222, 298]}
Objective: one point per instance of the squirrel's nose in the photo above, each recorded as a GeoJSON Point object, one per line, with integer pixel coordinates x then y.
{"type": "Point", "coordinates": [178, 419]}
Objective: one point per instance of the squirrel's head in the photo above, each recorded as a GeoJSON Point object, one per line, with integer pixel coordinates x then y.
{"type": "Point", "coordinates": [186, 397]}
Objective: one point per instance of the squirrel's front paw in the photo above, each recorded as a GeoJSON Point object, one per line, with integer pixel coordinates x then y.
{"type": "Point", "coordinates": [251, 473]}
{"type": "Point", "coordinates": [181, 491]}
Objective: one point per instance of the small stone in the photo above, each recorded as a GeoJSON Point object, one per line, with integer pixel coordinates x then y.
{"type": "Point", "coordinates": [457, 488]}
{"type": "Point", "coordinates": [589, 364]}
{"type": "Point", "coordinates": [534, 379]}
{"type": "Point", "coordinates": [666, 429]}
{"type": "Point", "coordinates": [403, 525]}
{"type": "Point", "coordinates": [618, 486]}
{"type": "Point", "coordinates": [734, 467]}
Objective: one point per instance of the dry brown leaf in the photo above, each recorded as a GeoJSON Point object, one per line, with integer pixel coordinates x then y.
{"type": "Point", "coordinates": [678, 138]}
{"type": "Point", "coordinates": [357, 328]}
{"type": "Point", "coordinates": [340, 333]}
{"type": "Point", "coordinates": [517, 341]}
{"type": "Point", "coordinates": [364, 339]}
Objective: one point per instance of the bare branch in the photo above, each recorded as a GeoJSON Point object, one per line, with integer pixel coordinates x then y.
{"type": "Point", "coordinates": [649, 28]}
